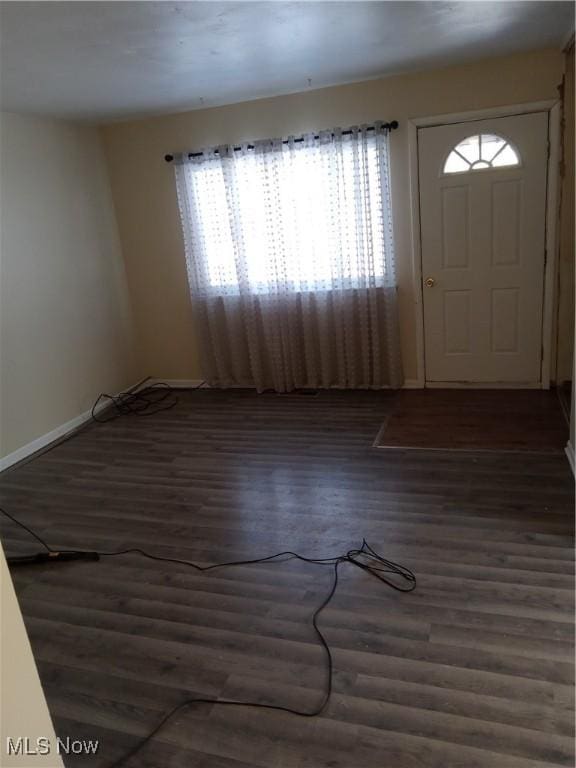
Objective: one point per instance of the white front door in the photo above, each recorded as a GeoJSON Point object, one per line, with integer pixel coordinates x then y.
{"type": "Point", "coordinates": [482, 215]}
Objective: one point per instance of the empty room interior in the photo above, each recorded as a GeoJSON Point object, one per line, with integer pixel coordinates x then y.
{"type": "Point", "coordinates": [286, 384]}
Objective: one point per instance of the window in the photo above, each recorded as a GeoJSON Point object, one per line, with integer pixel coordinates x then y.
{"type": "Point", "coordinates": [480, 152]}
{"type": "Point", "coordinates": [293, 216]}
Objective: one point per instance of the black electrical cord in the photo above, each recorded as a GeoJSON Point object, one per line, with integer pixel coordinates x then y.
{"type": "Point", "coordinates": [30, 531]}
{"type": "Point", "coordinates": [142, 402]}
{"type": "Point", "coordinates": [364, 557]}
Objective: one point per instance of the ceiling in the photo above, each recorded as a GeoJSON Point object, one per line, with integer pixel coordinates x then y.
{"type": "Point", "coordinates": [100, 61]}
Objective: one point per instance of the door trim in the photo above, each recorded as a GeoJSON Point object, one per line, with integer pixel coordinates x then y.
{"type": "Point", "coordinates": [549, 298]}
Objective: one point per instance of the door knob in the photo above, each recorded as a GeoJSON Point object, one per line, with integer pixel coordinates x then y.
{"type": "Point", "coordinates": [430, 282]}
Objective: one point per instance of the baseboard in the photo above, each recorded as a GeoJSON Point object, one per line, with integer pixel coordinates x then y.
{"type": "Point", "coordinates": [56, 434]}
{"type": "Point", "coordinates": [412, 384]}
{"type": "Point", "coordinates": [197, 383]}
{"type": "Point", "coordinates": [482, 385]}
{"type": "Point", "coordinates": [570, 453]}
{"type": "Point", "coordinates": [180, 383]}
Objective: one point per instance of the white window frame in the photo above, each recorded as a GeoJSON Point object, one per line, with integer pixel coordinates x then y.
{"type": "Point", "coordinates": [489, 166]}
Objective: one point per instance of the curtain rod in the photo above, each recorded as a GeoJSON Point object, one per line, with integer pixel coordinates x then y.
{"type": "Point", "coordinates": [390, 126]}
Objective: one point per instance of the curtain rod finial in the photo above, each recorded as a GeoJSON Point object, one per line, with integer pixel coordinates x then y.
{"type": "Point", "coordinates": [168, 158]}
{"type": "Point", "coordinates": [394, 124]}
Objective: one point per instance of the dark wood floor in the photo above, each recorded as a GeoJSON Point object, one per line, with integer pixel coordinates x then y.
{"type": "Point", "coordinates": [472, 670]}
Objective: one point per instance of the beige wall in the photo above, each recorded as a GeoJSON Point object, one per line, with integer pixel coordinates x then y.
{"type": "Point", "coordinates": [23, 710]}
{"type": "Point", "coordinates": [65, 319]}
{"type": "Point", "coordinates": [145, 197]}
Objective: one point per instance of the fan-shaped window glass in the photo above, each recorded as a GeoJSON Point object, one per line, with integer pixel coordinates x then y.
{"type": "Point", "coordinates": [475, 153]}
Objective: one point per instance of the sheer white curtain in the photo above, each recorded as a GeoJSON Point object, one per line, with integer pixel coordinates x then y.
{"type": "Point", "coordinates": [290, 261]}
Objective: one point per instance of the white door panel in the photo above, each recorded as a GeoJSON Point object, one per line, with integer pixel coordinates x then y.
{"type": "Point", "coordinates": [483, 241]}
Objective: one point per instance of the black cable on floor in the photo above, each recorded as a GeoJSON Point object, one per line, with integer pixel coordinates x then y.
{"type": "Point", "coordinates": [364, 558]}
{"type": "Point", "coordinates": [30, 531]}
{"type": "Point", "coordinates": [141, 402]}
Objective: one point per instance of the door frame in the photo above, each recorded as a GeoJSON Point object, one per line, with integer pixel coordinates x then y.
{"type": "Point", "coordinates": [549, 298]}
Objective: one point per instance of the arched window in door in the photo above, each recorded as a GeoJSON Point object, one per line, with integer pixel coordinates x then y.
{"type": "Point", "coordinates": [481, 152]}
